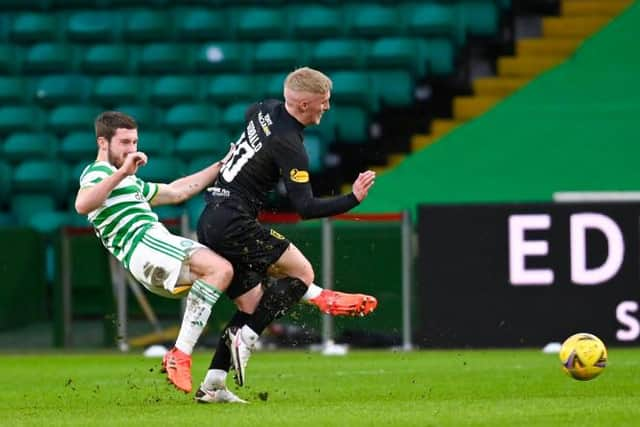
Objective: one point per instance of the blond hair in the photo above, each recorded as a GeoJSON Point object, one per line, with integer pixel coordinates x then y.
{"type": "Point", "coordinates": [307, 79]}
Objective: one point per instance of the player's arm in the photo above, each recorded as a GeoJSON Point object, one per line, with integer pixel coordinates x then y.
{"type": "Point", "coordinates": [295, 167]}
{"type": "Point", "coordinates": [186, 187]}
{"type": "Point", "coordinates": [90, 198]}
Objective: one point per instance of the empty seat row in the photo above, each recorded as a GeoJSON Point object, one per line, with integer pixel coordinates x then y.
{"type": "Point", "coordinates": [450, 19]}
{"type": "Point", "coordinates": [414, 54]}
{"type": "Point", "coordinates": [81, 145]}
{"type": "Point", "coordinates": [347, 123]}
{"type": "Point", "coordinates": [366, 89]}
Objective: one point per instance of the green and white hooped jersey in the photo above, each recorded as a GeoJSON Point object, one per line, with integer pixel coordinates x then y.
{"type": "Point", "coordinates": [122, 220]}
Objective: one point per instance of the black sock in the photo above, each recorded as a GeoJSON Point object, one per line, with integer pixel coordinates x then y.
{"type": "Point", "coordinates": [222, 357]}
{"type": "Point", "coordinates": [280, 296]}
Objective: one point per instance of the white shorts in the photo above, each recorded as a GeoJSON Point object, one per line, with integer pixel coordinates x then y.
{"type": "Point", "coordinates": [160, 262]}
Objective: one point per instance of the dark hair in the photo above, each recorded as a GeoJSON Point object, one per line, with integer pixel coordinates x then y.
{"type": "Point", "coordinates": [108, 122]}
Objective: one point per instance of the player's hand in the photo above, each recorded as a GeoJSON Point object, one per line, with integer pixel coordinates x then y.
{"type": "Point", "coordinates": [362, 184]}
{"type": "Point", "coordinates": [229, 154]}
{"type": "Point", "coordinates": [132, 162]}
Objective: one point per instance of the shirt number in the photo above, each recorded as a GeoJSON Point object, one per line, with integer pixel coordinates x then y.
{"type": "Point", "coordinates": [240, 156]}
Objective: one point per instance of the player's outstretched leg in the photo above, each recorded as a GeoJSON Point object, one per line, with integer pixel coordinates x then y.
{"type": "Point", "coordinates": [178, 368]}
{"type": "Point", "coordinates": [241, 342]}
{"type": "Point", "coordinates": [344, 304]}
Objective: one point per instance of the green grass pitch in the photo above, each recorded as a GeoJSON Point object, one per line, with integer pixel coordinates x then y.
{"type": "Point", "coordinates": [364, 388]}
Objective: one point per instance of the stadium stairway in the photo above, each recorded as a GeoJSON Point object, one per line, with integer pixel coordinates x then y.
{"type": "Point", "coordinates": [561, 36]}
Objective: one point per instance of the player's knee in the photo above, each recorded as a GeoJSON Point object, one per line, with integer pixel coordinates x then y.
{"type": "Point", "coordinates": [223, 270]}
{"type": "Point", "coordinates": [307, 274]}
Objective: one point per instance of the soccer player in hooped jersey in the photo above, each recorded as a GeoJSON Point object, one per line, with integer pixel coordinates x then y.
{"type": "Point", "coordinates": [271, 148]}
{"type": "Point", "coordinates": [118, 206]}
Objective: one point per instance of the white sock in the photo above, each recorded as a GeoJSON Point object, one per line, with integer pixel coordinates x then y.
{"type": "Point", "coordinates": [312, 292]}
{"type": "Point", "coordinates": [196, 314]}
{"type": "Point", "coordinates": [215, 379]}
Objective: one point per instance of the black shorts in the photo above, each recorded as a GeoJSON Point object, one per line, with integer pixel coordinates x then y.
{"type": "Point", "coordinates": [248, 245]}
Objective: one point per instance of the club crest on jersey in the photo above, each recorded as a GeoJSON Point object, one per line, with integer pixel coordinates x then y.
{"type": "Point", "coordinates": [299, 176]}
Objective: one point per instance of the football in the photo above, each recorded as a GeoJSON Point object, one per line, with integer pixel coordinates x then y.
{"type": "Point", "coordinates": [583, 356]}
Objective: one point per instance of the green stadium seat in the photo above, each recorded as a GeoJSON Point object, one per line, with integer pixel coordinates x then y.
{"type": "Point", "coordinates": [5, 181]}
{"type": "Point", "coordinates": [168, 212]}
{"type": "Point", "coordinates": [393, 88]}
{"type": "Point", "coordinates": [223, 89]}
{"type": "Point", "coordinates": [372, 20]}
{"type": "Point", "coordinates": [316, 21]}
{"type": "Point", "coordinates": [73, 117]}
{"type": "Point", "coordinates": [480, 17]}
{"type": "Point", "coordinates": [198, 163]}
{"type": "Point", "coordinates": [59, 89]}
{"type": "Point", "coordinates": [398, 52]}
{"type": "Point", "coordinates": [194, 207]}
{"type": "Point", "coordinates": [201, 24]}
{"type": "Point", "coordinates": [106, 59]}
{"type": "Point", "coordinates": [49, 57]}
{"type": "Point", "coordinates": [186, 116]}
{"type": "Point", "coordinates": [316, 150]}
{"type": "Point", "coordinates": [24, 206]}
{"type": "Point", "coordinates": [12, 89]}
{"type": "Point", "coordinates": [156, 143]}
{"type": "Point", "coordinates": [258, 23]}
{"type": "Point", "coordinates": [170, 90]}
{"type": "Point", "coordinates": [195, 143]}
{"type": "Point", "coordinates": [12, 5]}
{"type": "Point", "coordinates": [351, 124]}
{"type": "Point", "coordinates": [272, 85]}
{"type": "Point", "coordinates": [38, 176]}
{"type": "Point", "coordinates": [10, 58]}
{"type": "Point", "coordinates": [75, 171]}
{"type": "Point", "coordinates": [21, 146]}
{"type": "Point", "coordinates": [161, 169]}
{"type": "Point", "coordinates": [338, 53]}
{"type": "Point", "coordinates": [221, 56]}
{"type": "Point", "coordinates": [146, 25]}
{"type": "Point", "coordinates": [145, 115]}
{"type": "Point", "coordinates": [7, 219]}
{"type": "Point", "coordinates": [111, 90]}
{"type": "Point", "coordinates": [353, 88]}
{"type": "Point", "coordinates": [98, 26]}
{"type": "Point", "coordinates": [440, 54]}
{"type": "Point", "coordinates": [279, 55]}
{"type": "Point", "coordinates": [49, 222]}
{"type": "Point", "coordinates": [327, 127]}
{"type": "Point", "coordinates": [14, 118]}
{"type": "Point", "coordinates": [164, 57]}
{"type": "Point", "coordinates": [78, 146]}
{"type": "Point", "coordinates": [233, 117]}
{"type": "Point", "coordinates": [435, 19]}
{"type": "Point", "coordinates": [34, 27]}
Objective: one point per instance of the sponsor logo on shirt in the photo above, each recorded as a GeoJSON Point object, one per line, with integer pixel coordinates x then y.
{"type": "Point", "coordinates": [265, 122]}
{"type": "Point", "coordinates": [299, 176]}
{"type": "Point", "coordinates": [275, 234]}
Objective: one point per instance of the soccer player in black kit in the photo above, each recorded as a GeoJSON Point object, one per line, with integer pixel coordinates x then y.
{"type": "Point", "coordinates": [270, 273]}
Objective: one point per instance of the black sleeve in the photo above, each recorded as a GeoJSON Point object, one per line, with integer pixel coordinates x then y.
{"type": "Point", "coordinates": [293, 162]}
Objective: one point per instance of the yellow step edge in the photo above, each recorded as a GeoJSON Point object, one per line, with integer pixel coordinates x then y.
{"type": "Point", "coordinates": [570, 26]}
{"type": "Point", "coordinates": [395, 159]}
{"type": "Point", "coordinates": [498, 87]}
{"type": "Point", "coordinates": [525, 67]}
{"type": "Point", "coordinates": [378, 170]}
{"type": "Point", "coordinates": [440, 127]}
{"type": "Point", "coordinates": [468, 107]}
{"type": "Point", "coordinates": [593, 7]}
{"type": "Point", "coordinates": [547, 47]}
{"type": "Point", "coordinates": [420, 140]}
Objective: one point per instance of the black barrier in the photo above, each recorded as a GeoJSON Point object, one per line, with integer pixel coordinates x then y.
{"type": "Point", "coordinates": [526, 275]}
